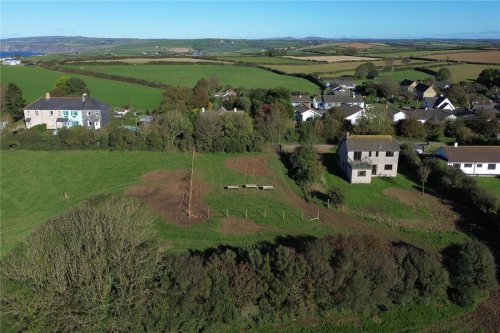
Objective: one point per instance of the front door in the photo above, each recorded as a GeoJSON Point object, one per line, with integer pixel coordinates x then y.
{"type": "Point", "coordinates": [374, 169]}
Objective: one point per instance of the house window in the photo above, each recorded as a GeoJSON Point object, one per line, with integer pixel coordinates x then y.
{"type": "Point", "coordinates": [59, 113]}
{"type": "Point", "coordinates": [479, 165]}
{"type": "Point", "coordinates": [361, 173]}
{"type": "Point", "coordinates": [456, 165]}
{"type": "Point", "coordinates": [51, 113]}
{"type": "Point", "coordinates": [389, 153]}
{"type": "Point", "coordinates": [97, 113]}
{"type": "Point", "coordinates": [357, 156]}
{"type": "Point", "coordinates": [88, 113]}
{"type": "Point", "coordinates": [369, 154]}
{"type": "Point", "coordinates": [74, 113]}
{"type": "Point", "coordinates": [376, 154]}
{"type": "Point", "coordinates": [492, 166]}
{"type": "Point", "coordinates": [36, 113]}
{"type": "Point", "coordinates": [27, 113]}
{"type": "Point", "coordinates": [90, 123]}
{"type": "Point", "coordinates": [388, 167]}
{"type": "Point", "coordinates": [66, 113]}
{"type": "Point", "coordinates": [468, 165]}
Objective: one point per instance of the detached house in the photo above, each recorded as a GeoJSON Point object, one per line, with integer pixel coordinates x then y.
{"type": "Point", "coordinates": [362, 157]}
{"type": "Point", "coordinates": [326, 102]}
{"type": "Point", "coordinates": [298, 100]}
{"type": "Point", "coordinates": [472, 160]}
{"type": "Point", "coordinates": [304, 112]}
{"type": "Point", "coordinates": [440, 102]}
{"type": "Point", "coordinates": [422, 91]}
{"type": "Point", "coordinates": [59, 112]}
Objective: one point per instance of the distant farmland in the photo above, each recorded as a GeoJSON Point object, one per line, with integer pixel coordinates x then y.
{"type": "Point", "coordinates": [187, 75]}
{"type": "Point", "coordinates": [35, 82]}
{"type": "Point", "coordinates": [487, 57]}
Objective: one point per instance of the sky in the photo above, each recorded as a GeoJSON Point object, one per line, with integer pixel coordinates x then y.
{"type": "Point", "coordinates": [251, 19]}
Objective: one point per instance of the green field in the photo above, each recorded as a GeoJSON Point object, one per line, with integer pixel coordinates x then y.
{"type": "Point", "coordinates": [188, 74]}
{"type": "Point", "coordinates": [465, 72]}
{"type": "Point", "coordinates": [263, 60]}
{"type": "Point", "coordinates": [404, 74]}
{"type": "Point", "coordinates": [35, 82]}
{"type": "Point", "coordinates": [33, 184]}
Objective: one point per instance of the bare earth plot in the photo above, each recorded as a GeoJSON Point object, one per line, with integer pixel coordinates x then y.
{"type": "Point", "coordinates": [167, 194]}
{"type": "Point", "coordinates": [234, 226]}
{"type": "Point", "coordinates": [490, 57]}
{"type": "Point", "coordinates": [333, 58]}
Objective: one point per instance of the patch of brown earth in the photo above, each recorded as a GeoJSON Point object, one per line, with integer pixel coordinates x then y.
{"type": "Point", "coordinates": [233, 226]}
{"type": "Point", "coordinates": [167, 194]}
{"type": "Point", "coordinates": [444, 218]}
{"type": "Point", "coordinates": [359, 45]}
{"type": "Point", "coordinates": [248, 165]}
{"type": "Point", "coordinates": [486, 318]}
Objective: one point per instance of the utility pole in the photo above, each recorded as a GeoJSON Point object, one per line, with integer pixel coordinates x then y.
{"type": "Point", "coordinates": [191, 185]}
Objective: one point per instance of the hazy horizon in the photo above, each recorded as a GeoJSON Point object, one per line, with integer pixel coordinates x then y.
{"type": "Point", "coordinates": [252, 19]}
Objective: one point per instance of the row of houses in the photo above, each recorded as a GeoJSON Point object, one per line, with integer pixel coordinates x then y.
{"type": "Point", "coordinates": [65, 112]}
{"type": "Point", "coordinates": [362, 157]}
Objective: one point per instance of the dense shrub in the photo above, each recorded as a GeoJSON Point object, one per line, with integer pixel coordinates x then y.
{"type": "Point", "coordinates": [93, 269]}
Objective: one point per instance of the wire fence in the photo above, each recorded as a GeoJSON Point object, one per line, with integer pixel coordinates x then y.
{"type": "Point", "coordinates": [253, 213]}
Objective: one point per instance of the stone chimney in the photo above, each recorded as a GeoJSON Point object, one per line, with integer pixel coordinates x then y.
{"type": "Point", "coordinates": [47, 96]}
{"type": "Point", "coordinates": [84, 97]}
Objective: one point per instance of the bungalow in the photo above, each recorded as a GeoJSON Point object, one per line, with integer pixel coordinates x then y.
{"type": "Point", "coordinates": [59, 112]}
{"type": "Point", "coordinates": [424, 115]}
{"type": "Point", "coordinates": [351, 112]}
{"type": "Point", "coordinates": [326, 102]}
{"type": "Point", "coordinates": [441, 102]}
{"type": "Point", "coordinates": [422, 90]}
{"type": "Point", "coordinates": [298, 100]}
{"type": "Point", "coordinates": [395, 114]}
{"type": "Point", "coordinates": [362, 157]}
{"type": "Point", "coordinates": [304, 112]}
{"type": "Point", "coordinates": [472, 160]}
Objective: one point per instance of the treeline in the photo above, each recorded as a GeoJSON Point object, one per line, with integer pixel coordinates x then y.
{"type": "Point", "coordinates": [93, 269]}
{"type": "Point", "coordinates": [452, 182]}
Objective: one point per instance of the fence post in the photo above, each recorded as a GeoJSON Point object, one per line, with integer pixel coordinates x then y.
{"type": "Point", "coordinates": [283, 215]}
{"type": "Point", "coordinates": [208, 212]}
{"type": "Point", "coordinates": [227, 212]}
{"type": "Point", "coordinates": [246, 213]}
{"type": "Point", "coordinates": [328, 203]}
{"type": "Point", "coordinates": [265, 212]}
{"type": "Point", "coordinates": [318, 215]}
{"type": "Point", "coordinates": [302, 215]}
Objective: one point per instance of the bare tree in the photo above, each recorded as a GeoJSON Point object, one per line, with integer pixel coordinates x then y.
{"type": "Point", "coordinates": [423, 174]}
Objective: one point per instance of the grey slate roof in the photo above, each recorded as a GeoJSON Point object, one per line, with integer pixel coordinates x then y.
{"type": "Point", "coordinates": [300, 99]}
{"type": "Point", "coordinates": [66, 103]}
{"type": "Point", "coordinates": [349, 110]}
{"type": "Point", "coordinates": [422, 87]}
{"type": "Point", "coordinates": [347, 99]}
{"type": "Point", "coordinates": [422, 114]}
{"type": "Point", "coordinates": [482, 154]}
{"type": "Point", "coordinates": [371, 143]}
{"type": "Point", "coordinates": [406, 82]}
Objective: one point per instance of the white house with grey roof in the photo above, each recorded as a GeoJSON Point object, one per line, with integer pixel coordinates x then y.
{"type": "Point", "coordinates": [362, 157]}
{"type": "Point", "coordinates": [65, 112]}
{"type": "Point", "coordinates": [472, 160]}
{"type": "Point", "coordinates": [326, 102]}
{"type": "Point", "coordinates": [304, 112]}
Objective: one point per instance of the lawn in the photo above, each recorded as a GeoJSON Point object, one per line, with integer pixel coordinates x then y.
{"type": "Point", "coordinates": [400, 75]}
{"type": "Point", "coordinates": [188, 74]}
{"type": "Point", "coordinates": [35, 82]}
{"type": "Point", "coordinates": [33, 184]}
{"type": "Point", "coordinates": [262, 60]}
{"type": "Point", "coordinates": [492, 184]}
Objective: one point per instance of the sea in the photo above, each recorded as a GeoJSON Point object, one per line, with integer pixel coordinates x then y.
{"type": "Point", "coordinates": [19, 53]}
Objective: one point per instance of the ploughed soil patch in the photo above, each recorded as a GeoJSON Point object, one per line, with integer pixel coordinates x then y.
{"type": "Point", "coordinates": [167, 194]}
{"type": "Point", "coordinates": [234, 226]}
{"type": "Point", "coordinates": [444, 218]}
{"type": "Point", "coordinates": [248, 165]}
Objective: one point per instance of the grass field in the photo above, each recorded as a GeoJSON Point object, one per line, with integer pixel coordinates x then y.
{"type": "Point", "coordinates": [464, 72]}
{"type": "Point", "coordinates": [33, 184]}
{"type": "Point", "coordinates": [35, 82]}
{"type": "Point", "coordinates": [400, 75]}
{"type": "Point", "coordinates": [490, 57]}
{"type": "Point", "coordinates": [492, 184]}
{"type": "Point", "coordinates": [188, 75]}
{"type": "Point", "coordinates": [262, 60]}
{"type": "Point", "coordinates": [325, 68]}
